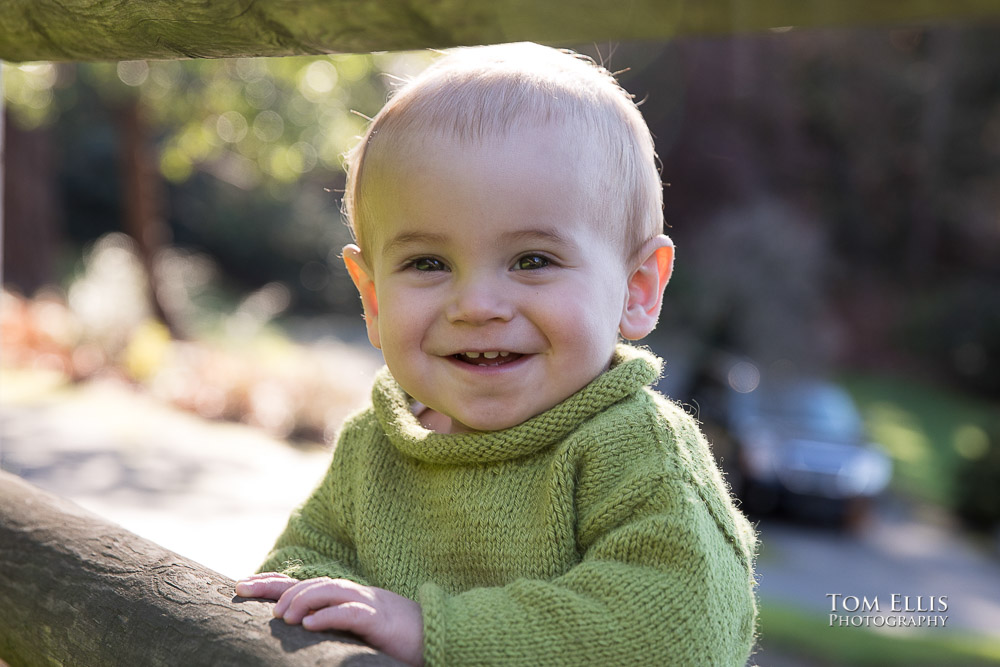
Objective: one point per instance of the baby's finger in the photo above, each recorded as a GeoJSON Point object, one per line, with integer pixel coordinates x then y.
{"type": "Point", "coordinates": [300, 601]}
{"type": "Point", "coordinates": [289, 595]}
{"type": "Point", "coordinates": [264, 575]}
{"type": "Point", "coordinates": [357, 617]}
{"type": "Point", "coordinates": [269, 586]}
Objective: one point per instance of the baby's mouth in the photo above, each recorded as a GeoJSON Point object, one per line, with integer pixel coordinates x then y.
{"type": "Point", "coordinates": [492, 358]}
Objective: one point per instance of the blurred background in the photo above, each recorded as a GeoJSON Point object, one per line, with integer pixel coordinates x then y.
{"type": "Point", "coordinates": [180, 340]}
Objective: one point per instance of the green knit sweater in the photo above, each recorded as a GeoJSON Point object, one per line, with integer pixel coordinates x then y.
{"type": "Point", "coordinates": [598, 532]}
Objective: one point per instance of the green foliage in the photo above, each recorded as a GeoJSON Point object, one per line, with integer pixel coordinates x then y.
{"type": "Point", "coordinates": [978, 481]}
{"type": "Point", "coordinates": [813, 641]}
{"type": "Point", "coordinates": [250, 149]}
{"type": "Point", "coordinates": [250, 120]}
{"type": "Point", "coordinates": [930, 432]}
{"type": "Point", "coordinates": [245, 120]}
{"type": "Point", "coordinates": [29, 92]}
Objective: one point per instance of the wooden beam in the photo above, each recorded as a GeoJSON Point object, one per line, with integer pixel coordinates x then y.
{"type": "Point", "coordinates": [78, 590]}
{"type": "Point", "coordinates": [170, 29]}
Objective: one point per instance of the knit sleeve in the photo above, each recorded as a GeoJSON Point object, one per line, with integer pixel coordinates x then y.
{"type": "Point", "coordinates": [659, 581]}
{"type": "Point", "coordinates": [317, 540]}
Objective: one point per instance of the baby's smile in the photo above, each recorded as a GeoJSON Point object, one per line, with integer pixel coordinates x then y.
{"type": "Point", "coordinates": [490, 358]}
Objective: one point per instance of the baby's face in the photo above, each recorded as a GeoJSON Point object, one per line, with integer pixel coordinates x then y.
{"type": "Point", "coordinates": [497, 295]}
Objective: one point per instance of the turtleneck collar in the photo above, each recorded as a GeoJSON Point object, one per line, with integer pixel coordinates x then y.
{"type": "Point", "coordinates": [631, 369]}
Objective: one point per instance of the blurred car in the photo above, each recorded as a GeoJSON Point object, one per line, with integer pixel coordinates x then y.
{"type": "Point", "coordinates": [800, 445]}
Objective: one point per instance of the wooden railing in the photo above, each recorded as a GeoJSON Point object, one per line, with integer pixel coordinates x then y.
{"type": "Point", "coordinates": [170, 29]}
{"type": "Point", "coordinates": [78, 590]}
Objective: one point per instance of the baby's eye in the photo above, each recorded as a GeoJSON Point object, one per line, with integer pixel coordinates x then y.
{"type": "Point", "coordinates": [530, 262]}
{"type": "Point", "coordinates": [428, 264]}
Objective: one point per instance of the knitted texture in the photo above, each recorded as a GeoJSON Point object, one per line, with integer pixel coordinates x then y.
{"type": "Point", "coordinates": [599, 532]}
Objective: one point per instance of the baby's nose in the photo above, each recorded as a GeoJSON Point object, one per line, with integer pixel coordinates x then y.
{"type": "Point", "coordinates": [480, 301]}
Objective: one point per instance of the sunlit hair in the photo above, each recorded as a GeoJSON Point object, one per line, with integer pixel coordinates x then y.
{"type": "Point", "coordinates": [480, 93]}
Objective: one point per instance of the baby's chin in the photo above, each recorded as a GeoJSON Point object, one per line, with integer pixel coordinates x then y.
{"type": "Point", "coordinates": [442, 423]}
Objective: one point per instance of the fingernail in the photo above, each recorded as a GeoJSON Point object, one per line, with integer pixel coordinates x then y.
{"type": "Point", "coordinates": [243, 589]}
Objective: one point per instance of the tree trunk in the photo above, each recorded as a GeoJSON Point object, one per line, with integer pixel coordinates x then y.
{"type": "Point", "coordinates": [77, 590]}
{"type": "Point", "coordinates": [143, 202]}
{"type": "Point", "coordinates": [31, 231]}
{"type": "Point", "coordinates": [170, 29]}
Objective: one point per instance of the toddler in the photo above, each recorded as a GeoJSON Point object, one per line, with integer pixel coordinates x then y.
{"type": "Point", "coordinates": [516, 494]}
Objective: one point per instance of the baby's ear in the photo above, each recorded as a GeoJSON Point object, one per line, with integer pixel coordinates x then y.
{"type": "Point", "coordinates": [645, 288]}
{"type": "Point", "coordinates": [364, 280]}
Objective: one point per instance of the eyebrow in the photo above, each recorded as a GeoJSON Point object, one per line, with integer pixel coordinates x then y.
{"type": "Point", "coordinates": [409, 238]}
{"type": "Point", "coordinates": [404, 239]}
{"type": "Point", "coordinates": [549, 235]}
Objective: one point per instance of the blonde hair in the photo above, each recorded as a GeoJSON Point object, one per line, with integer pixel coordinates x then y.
{"type": "Point", "coordinates": [483, 92]}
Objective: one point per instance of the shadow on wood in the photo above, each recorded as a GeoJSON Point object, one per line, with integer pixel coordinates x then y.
{"type": "Point", "coordinates": [76, 589]}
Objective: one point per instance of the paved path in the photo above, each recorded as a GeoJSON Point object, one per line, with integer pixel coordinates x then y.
{"type": "Point", "coordinates": [899, 553]}
{"type": "Point", "coordinates": [217, 493]}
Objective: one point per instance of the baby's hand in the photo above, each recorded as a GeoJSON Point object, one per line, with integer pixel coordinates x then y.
{"type": "Point", "coordinates": [389, 622]}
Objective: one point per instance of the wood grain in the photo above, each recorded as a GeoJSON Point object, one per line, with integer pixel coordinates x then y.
{"type": "Point", "coordinates": [78, 590]}
{"type": "Point", "coordinates": [171, 29]}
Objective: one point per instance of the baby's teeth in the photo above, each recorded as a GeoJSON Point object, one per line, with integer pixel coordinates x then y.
{"type": "Point", "coordinates": [505, 354]}
{"type": "Point", "coordinates": [484, 365]}
{"type": "Point", "coordinates": [472, 355]}
{"type": "Point", "coordinates": [491, 355]}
